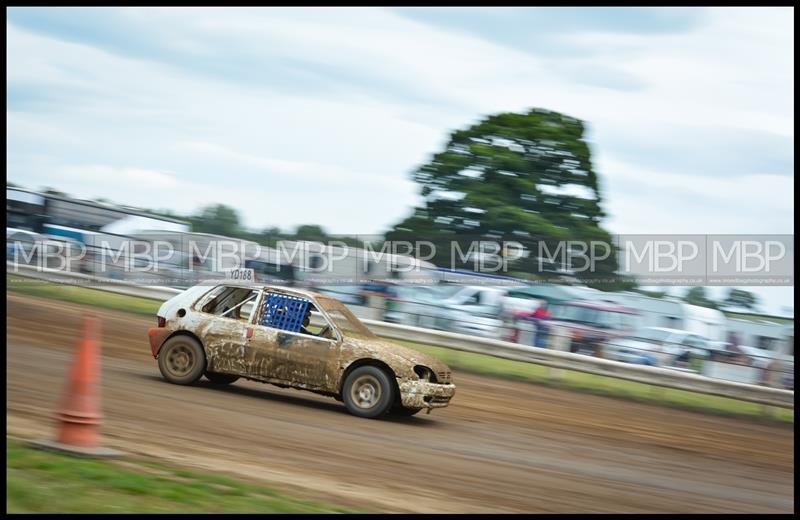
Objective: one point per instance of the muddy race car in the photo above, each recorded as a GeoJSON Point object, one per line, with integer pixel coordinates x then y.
{"type": "Point", "coordinates": [297, 339]}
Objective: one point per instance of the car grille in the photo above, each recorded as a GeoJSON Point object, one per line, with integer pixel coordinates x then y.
{"type": "Point", "coordinates": [443, 377]}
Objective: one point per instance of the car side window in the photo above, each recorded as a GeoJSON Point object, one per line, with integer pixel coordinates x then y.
{"type": "Point", "coordinates": [293, 314]}
{"type": "Point", "coordinates": [693, 341]}
{"type": "Point", "coordinates": [426, 295]}
{"type": "Point", "coordinates": [247, 308]}
{"type": "Point", "coordinates": [210, 296]}
{"type": "Point", "coordinates": [230, 302]}
{"type": "Point", "coordinates": [318, 326]}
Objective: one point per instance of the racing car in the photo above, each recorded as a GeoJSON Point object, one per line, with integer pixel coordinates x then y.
{"type": "Point", "coordinates": [292, 338]}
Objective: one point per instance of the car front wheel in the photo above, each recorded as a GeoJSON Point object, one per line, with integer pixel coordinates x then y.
{"type": "Point", "coordinates": [181, 360]}
{"type": "Point", "coordinates": [368, 392]}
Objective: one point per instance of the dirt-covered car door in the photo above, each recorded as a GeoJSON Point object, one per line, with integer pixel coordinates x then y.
{"type": "Point", "coordinates": [293, 350]}
{"type": "Point", "coordinates": [226, 313]}
{"type": "Point", "coordinates": [261, 342]}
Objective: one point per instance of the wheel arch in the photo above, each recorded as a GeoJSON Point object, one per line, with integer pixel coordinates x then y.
{"type": "Point", "coordinates": [370, 362]}
{"type": "Point", "coordinates": [182, 332]}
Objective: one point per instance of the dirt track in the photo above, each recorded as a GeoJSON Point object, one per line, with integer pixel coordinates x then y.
{"type": "Point", "coordinates": [500, 446]}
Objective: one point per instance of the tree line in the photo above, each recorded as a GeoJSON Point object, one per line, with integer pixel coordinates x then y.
{"type": "Point", "coordinates": [526, 177]}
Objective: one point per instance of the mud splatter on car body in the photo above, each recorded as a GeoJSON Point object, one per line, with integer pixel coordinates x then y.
{"type": "Point", "coordinates": [244, 347]}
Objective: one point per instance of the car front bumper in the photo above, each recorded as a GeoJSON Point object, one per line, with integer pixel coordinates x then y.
{"type": "Point", "coordinates": [421, 394]}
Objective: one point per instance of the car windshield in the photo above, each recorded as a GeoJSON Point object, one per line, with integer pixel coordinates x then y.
{"type": "Point", "coordinates": [458, 296]}
{"type": "Point", "coordinates": [653, 335]}
{"type": "Point", "coordinates": [521, 295]}
{"type": "Point", "coordinates": [444, 292]}
{"type": "Point", "coordinates": [591, 316]}
{"type": "Point", "coordinates": [347, 289]}
{"type": "Point", "coordinates": [402, 293]}
{"type": "Point", "coordinates": [344, 320]}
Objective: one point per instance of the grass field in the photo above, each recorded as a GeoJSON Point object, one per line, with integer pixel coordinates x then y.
{"type": "Point", "coordinates": [85, 295]}
{"type": "Point", "coordinates": [466, 361]}
{"type": "Point", "coordinates": [597, 384]}
{"type": "Point", "coordinates": [41, 481]}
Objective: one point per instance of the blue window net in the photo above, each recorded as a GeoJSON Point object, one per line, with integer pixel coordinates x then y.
{"type": "Point", "coordinates": [284, 312]}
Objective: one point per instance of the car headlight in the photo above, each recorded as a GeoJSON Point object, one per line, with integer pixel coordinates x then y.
{"type": "Point", "coordinates": [425, 373]}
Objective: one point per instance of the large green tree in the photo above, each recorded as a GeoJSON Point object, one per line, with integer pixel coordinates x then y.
{"type": "Point", "coordinates": [698, 296]}
{"type": "Point", "coordinates": [217, 219]}
{"type": "Point", "coordinates": [741, 298]}
{"type": "Point", "coordinates": [526, 177]}
{"type": "Point", "coordinates": [311, 232]}
{"type": "Point", "coordinates": [47, 190]}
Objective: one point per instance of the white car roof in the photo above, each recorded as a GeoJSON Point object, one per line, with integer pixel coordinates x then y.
{"type": "Point", "coordinates": [258, 286]}
{"type": "Point", "coordinates": [12, 231]}
{"type": "Point", "coordinates": [673, 331]}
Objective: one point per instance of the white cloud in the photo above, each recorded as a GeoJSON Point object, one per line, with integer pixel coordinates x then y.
{"type": "Point", "coordinates": [121, 178]}
{"type": "Point", "coordinates": [670, 203]}
{"type": "Point", "coordinates": [389, 91]}
{"type": "Point", "coordinates": [217, 117]}
{"type": "Point", "coordinates": [306, 171]}
{"type": "Point", "coordinates": [573, 190]}
{"type": "Point", "coordinates": [35, 127]}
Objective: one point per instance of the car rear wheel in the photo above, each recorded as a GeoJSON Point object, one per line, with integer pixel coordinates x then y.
{"type": "Point", "coordinates": [368, 392]}
{"type": "Point", "coordinates": [181, 360]}
{"type": "Point", "coordinates": [221, 379]}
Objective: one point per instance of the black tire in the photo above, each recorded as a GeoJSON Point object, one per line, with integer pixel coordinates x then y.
{"type": "Point", "coordinates": [221, 379]}
{"type": "Point", "coordinates": [368, 392]}
{"type": "Point", "coordinates": [182, 360]}
{"type": "Point", "coordinates": [401, 411]}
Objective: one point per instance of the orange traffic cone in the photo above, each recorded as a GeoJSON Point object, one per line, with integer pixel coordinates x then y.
{"type": "Point", "coordinates": [79, 413]}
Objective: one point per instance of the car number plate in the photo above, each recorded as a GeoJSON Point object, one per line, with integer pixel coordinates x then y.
{"type": "Point", "coordinates": [247, 275]}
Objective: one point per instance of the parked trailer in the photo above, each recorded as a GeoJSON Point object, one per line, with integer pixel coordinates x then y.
{"type": "Point", "coordinates": [763, 334]}
{"type": "Point", "coordinates": [653, 312]}
{"type": "Point", "coordinates": [709, 323]}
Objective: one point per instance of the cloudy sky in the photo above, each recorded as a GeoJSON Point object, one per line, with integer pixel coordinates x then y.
{"type": "Point", "coordinates": [319, 115]}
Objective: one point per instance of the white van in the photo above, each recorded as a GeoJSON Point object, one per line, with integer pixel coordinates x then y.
{"type": "Point", "coordinates": [474, 310]}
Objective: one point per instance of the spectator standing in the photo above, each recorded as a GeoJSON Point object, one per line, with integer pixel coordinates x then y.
{"type": "Point", "coordinates": [540, 317]}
